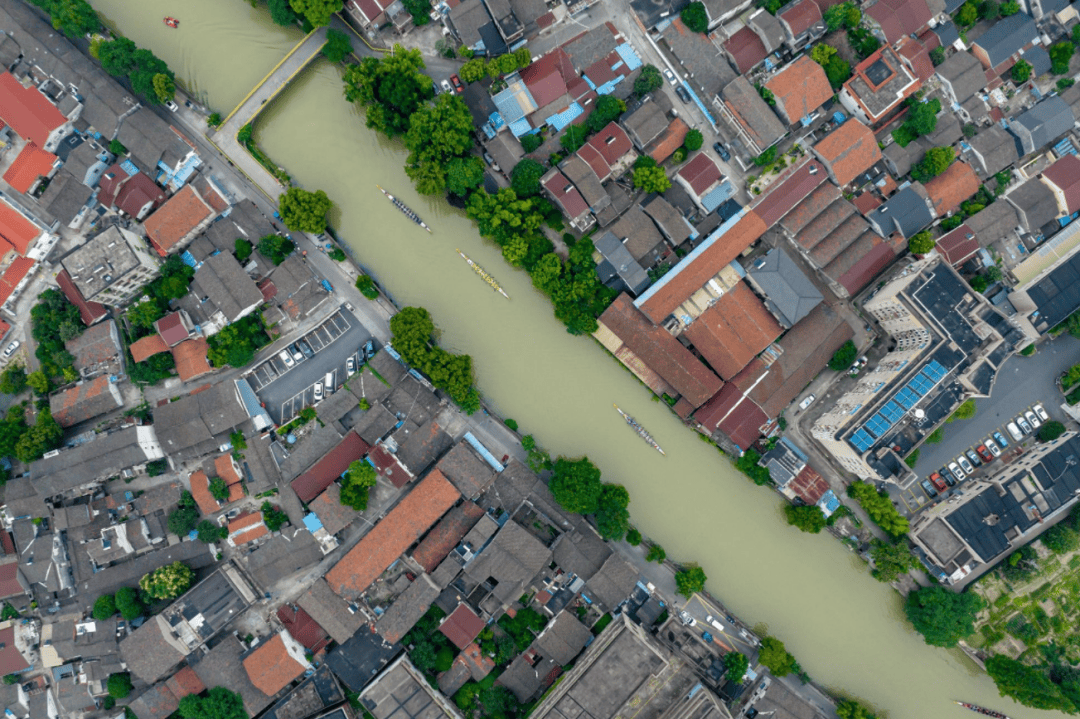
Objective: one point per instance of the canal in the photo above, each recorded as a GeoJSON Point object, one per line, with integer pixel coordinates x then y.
{"type": "Point", "coordinates": [846, 630]}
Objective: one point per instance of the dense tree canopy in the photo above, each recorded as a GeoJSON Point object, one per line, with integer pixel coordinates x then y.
{"type": "Point", "coordinates": [1021, 71]}
{"type": "Point", "coordinates": [54, 321]}
{"type": "Point", "coordinates": [576, 485]}
{"type": "Point", "coordinates": [808, 518]}
{"type": "Point", "coordinates": [219, 703]}
{"type": "Point", "coordinates": [844, 15]}
{"type": "Point", "coordinates": [1060, 55]}
{"type": "Point", "coordinates": [843, 357]}
{"type": "Point", "coordinates": [651, 179]}
{"type": "Point", "coordinates": [104, 607]}
{"type": "Point", "coordinates": [1051, 430]}
{"type": "Point", "coordinates": [119, 685]}
{"type": "Point", "coordinates": [412, 329]}
{"type": "Point", "coordinates": [167, 582]}
{"type": "Point", "coordinates": [13, 379]}
{"type": "Point", "coordinates": [355, 485]}
{"type": "Point", "coordinates": [694, 140]}
{"type": "Point", "coordinates": [1031, 686]}
{"type": "Point", "coordinates": [304, 211]}
{"type": "Point", "coordinates": [43, 436]}
{"type": "Point", "coordinates": [281, 12]}
{"type": "Point", "coordinates": [850, 709]}
{"type": "Point", "coordinates": [392, 88]}
{"type": "Point", "coordinates": [891, 559]}
{"type": "Point", "coordinates": [689, 580]}
{"type": "Point", "coordinates": [921, 120]}
{"type": "Point", "coordinates": [525, 177]}
{"type": "Point", "coordinates": [337, 46]}
{"type": "Point", "coordinates": [934, 162]}
{"type": "Point", "coordinates": [437, 134]}
{"type": "Point", "coordinates": [921, 243]}
{"type": "Point", "coordinates": [316, 12]}
{"type": "Point", "coordinates": [880, 508]}
{"type": "Point", "coordinates": [695, 17]}
{"type": "Point", "coordinates": [943, 617]}
{"type": "Point", "coordinates": [464, 174]}
{"type": "Point", "coordinates": [735, 666]}
{"type": "Point", "coordinates": [776, 657]}
{"type": "Point", "coordinates": [612, 516]}
{"type": "Point", "coordinates": [607, 110]}
{"type": "Point", "coordinates": [74, 18]}
{"type": "Point", "coordinates": [647, 81]}
{"type": "Point", "coordinates": [276, 248]}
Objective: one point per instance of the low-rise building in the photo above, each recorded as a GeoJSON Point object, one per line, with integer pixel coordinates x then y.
{"type": "Point", "coordinates": [879, 84]}
{"type": "Point", "coordinates": [992, 150]}
{"type": "Point", "coordinates": [124, 188]}
{"type": "Point", "coordinates": [952, 187]}
{"type": "Point", "coordinates": [177, 222]}
{"type": "Point", "coordinates": [112, 267]}
{"type": "Point", "coordinates": [789, 294]}
{"type": "Point", "coordinates": [1042, 124]}
{"type": "Point", "coordinates": [89, 464]}
{"type": "Point", "coordinates": [756, 124]}
{"type": "Point", "coordinates": [998, 48]}
{"type": "Point", "coordinates": [86, 400]}
{"type": "Point", "coordinates": [962, 75]}
{"type": "Point", "coordinates": [802, 22]}
{"type": "Point", "coordinates": [225, 291]}
{"type": "Point", "coordinates": [704, 182]}
{"type": "Point", "coordinates": [275, 663]}
{"type": "Point", "coordinates": [800, 89]}
{"type": "Point", "coordinates": [848, 151]}
{"type": "Point", "coordinates": [28, 112]}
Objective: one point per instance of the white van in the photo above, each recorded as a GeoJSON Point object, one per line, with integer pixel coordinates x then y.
{"type": "Point", "coordinates": [329, 381]}
{"type": "Point", "coordinates": [713, 621]}
{"type": "Point", "coordinates": [1015, 431]}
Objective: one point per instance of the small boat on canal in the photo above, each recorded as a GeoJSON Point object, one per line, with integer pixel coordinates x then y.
{"type": "Point", "coordinates": [172, 22]}
{"type": "Point", "coordinates": [981, 710]}
{"type": "Point", "coordinates": [405, 209]}
{"type": "Point", "coordinates": [492, 282]}
{"type": "Point", "coordinates": [641, 431]}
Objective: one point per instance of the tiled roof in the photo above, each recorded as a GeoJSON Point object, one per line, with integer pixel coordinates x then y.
{"type": "Point", "coordinates": [782, 196]}
{"type": "Point", "coordinates": [185, 682]}
{"type": "Point", "coordinates": [699, 266]}
{"type": "Point", "coordinates": [959, 245]}
{"type": "Point", "coordinates": [147, 347]}
{"type": "Point", "coordinates": [13, 275]}
{"type": "Point", "coordinates": [251, 535]}
{"type": "Point", "coordinates": [849, 149]}
{"type": "Point", "coordinates": [801, 16]}
{"type": "Point", "coordinates": [462, 626]}
{"type": "Point", "coordinates": [302, 627]}
{"type": "Point", "coordinates": [746, 49]}
{"type": "Point", "coordinates": [334, 515]}
{"type": "Point", "coordinates": [733, 414]}
{"type": "Point", "coordinates": [612, 142]}
{"type": "Point", "coordinates": [322, 474]}
{"type": "Point", "coordinates": [596, 161]}
{"type": "Point", "coordinates": [15, 230]}
{"type": "Point", "coordinates": [190, 356]}
{"type": "Point", "coordinates": [1065, 174]}
{"type": "Point", "coordinates": [226, 469]}
{"type": "Point", "coordinates": [952, 187]}
{"type": "Point", "coordinates": [800, 88]}
{"type": "Point", "coordinates": [751, 112]}
{"type": "Point", "coordinates": [862, 260]}
{"type": "Point", "coordinates": [11, 659]}
{"type": "Point", "coordinates": [546, 76]}
{"type": "Point", "coordinates": [137, 192]}
{"type": "Point", "coordinates": [28, 112]}
{"type": "Point", "coordinates": [395, 533]}
{"type": "Point", "coordinates": [446, 535]}
{"type": "Point", "coordinates": [733, 331]}
{"type": "Point", "coordinates": [171, 328]}
{"type": "Point", "coordinates": [812, 205]}
{"type": "Point", "coordinates": [89, 312]}
{"type": "Point", "coordinates": [244, 521]}
{"type": "Point", "coordinates": [808, 485]}
{"type": "Point", "coordinates": [32, 163]}
{"type": "Point", "coordinates": [701, 173]}
{"type": "Point", "coordinates": [918, 56]}
{"type": "Point", "coordinates": [899, 17]}
{"type": "Point", "coordinates": [175, 219]}
{"type": "Point", "coordinates": [866, 202]}
{"type": "Point", "coordinates": [660, 351]}
{"type": "Point", "coordinates": [565, 194]}
{"type": "Point", "coordinates": [271, 668]}
{"type": "Point", "coordinates": [84, 401]}
{"type": "Point", "coordinates": [200, 490]}
{"type": "Point", "coordinates": [9, 580]}
{"type": "Point", "coordinates": [671, 140]}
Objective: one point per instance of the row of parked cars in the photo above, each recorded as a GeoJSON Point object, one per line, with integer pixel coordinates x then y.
{"type": "Point", "coordinates": [1025, 424]}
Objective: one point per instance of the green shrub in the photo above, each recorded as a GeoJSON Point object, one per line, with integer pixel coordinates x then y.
{"type": "Point", "coordinates": [843, 357]}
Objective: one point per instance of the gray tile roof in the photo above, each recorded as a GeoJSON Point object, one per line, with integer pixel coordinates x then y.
{"type": "Point", "coordinates": [1036, 203]}
{"type": "Point", "coordinates": [513, 558]}
{"type": "Point", "coordinates": [228, 287]}
{"type": "Point", "coordinates": [407, 609]}
{"type": "Point", "coordinates": [629, 271]}
{"type": "Point", "coordinates": [563, 639]}
{"type": "Point", "coordinates": [964, 73]}
{"type": "Point", "coordinates": [613, 583]}
{"type": "Point", "coordinates": [330, 611]}
{"type": "Point", "coordinates": [106, 456]}
{"type": "Point", "coordinates": [788, 291]}
{"type": "Point", "coordinates": [905, 212]}
{"type": "Point", "coordinates": [1007, 36]}
{"type": "Point", "coordinates": [1043, 123]}
{"type": "Point", "coordinates": [197, 419]}
{"type": "Point", "coordinates": [996, 149]}
{"type": "Point", "coordinates": [581, 551]}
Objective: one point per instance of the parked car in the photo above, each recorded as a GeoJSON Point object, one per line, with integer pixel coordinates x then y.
{"type": "Point", "coordinates": [11, 349]}
{"type": "Point", "coordinates": [929, 488]}
{"type": "Point", "coordinates": [369, 349]}
{"type": "Point", "coordinates": [670, 76]}
{"type": "Point", "coordinates": [687, 619]}
{"type": "Point", "coordinates": [296, 353]}
{"type": "Point", "coordinates": [172, 105]}
{"type": "Point", "coordinates": [305, 348]}
{"type": "Point", "coordinates": [984, 453]}
{"type": "Point", "coordinates": [974, 457]}
{"type": "Point", "coordinates": [1014, 431]}
{"type": "Point", "coordinates": [1041, 413]}
{"type": "Point", "coordinates": [716, 624]}
{"type": "Point", "coordinates": [350, 365]}
{"type": "Point", "coordinates": [947, 476]}
{"type": "Point", "coordinates": [1035, 421]}
{"type": "Point", "coordinates": [682, 93]}
{"type": "Point", "coordinates": [446, 87]}
{"type": "Point", "coordinates": [807, 402]}
{"type": "Point", "coordinates": [957, 472]}
{"type": "Point", "coordinates": [1000, 439]}
{"type": "Point", "coordinates": [457, 83]}
{"type": "Point", "coordinates": [968, 469]}
{"type": "Point", "coordinates": [992, 446]}
{"type": "Point", "coordinates": [286, 358]}
{"type": "Point", "coordinates": [937, 481]}
{"type": "Point", "coordinates": [1024, 425]}
{"type": "Point", "coordinates": [722, 151]}
{"type": "Point", "coordinates": [491, 161]}
{"type": "Point", "coordinates": [318, 392]}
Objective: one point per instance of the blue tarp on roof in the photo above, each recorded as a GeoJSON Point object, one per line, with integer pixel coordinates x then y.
{"type": "Point", "coordinates": [521, 127]}
{"type": "Point", "coordinates": [483, 451]}
{"type": "Point", "coordinates": [608, 87]}
{"type": "Point", "coordinates": [718, 196]}
{"type": "Point", "coordinates": [564, 118]}
{"type": "Point", "coordinates": [312, 523]}
{"type": "Point", "coordinates": [189, 259]}
{"type": "Point", "coordinates": [829, 502]}
{"type": "Point", "coordinates": [509, 106]}
{"type": "Point", "coordinates": [129, 167]}
{"type": "Point", "coordinates": [496, 120]}
{"type": "Point", "coordinates": [633, 62]}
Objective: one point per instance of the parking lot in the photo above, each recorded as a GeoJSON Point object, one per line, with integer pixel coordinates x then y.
{"type": "Point", "coordinates": [286, 386]}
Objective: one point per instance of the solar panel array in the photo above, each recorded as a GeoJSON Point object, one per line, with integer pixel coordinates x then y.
{"type": "Point", "coordinates": [904, 399]}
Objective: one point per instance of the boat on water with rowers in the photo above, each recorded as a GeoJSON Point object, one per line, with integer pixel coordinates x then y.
{"type": "Point", "coordinates": [405, 209]}
{"type": "Point", "coordinates": [982, 710]}
{"type": "Point", "coordinates": [641, 432]}
{"type": "Point", "coordinates": [492, 282]}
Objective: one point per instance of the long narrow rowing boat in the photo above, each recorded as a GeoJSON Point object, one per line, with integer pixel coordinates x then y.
{"type": "Point", "coordinates": [981, 710]}
{"type": "Point", "coordinates": [492, 282]}
{"type": "Point", "coordinates": [405, 209]}
{"type": "Point", "coordinates": [641, 431]}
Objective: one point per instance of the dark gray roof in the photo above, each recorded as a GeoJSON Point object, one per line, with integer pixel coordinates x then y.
{"type": "Point", "coordinates": [996, 147]}
{"type": "Point", "coordinates": [1039, 59]}
{"type": "Point", "coordinates": [330, 611]}
{"type": "Point", "coordinates": [788, 291]}
{"type": "Point", "coordinates": [1057, 295]}
{"type": "Point", "coordinates": [613, 583]}
{"type": "Point", "coordinates": [467, 18]}
{"type": "Point", "coordinates": [148, 656]}
{"type": "Point", "coordinates": [947, 33]}
{"type": "Point", "coordinates": [563, 639]}
{"type": "Point", "coordinates": [407, 609]}
{"type": "Point", "coordinates": [466, 470]}
{"type": "Point", "coordinates": [760, 121]}
{"type": "Point", "coordinates": [103, 457]}
{"type": "Point", "coordinates": [1036, 203]}
{"type": "Point", "coordinates": [994, 222]}
{"type": "Point", "coordinates": [1007, 36]}
{"type": "Point", "coordinates": [591, 46]}
{"type": "Point", "coordinates": [197, 419]}
{"type": "Point", "coordinates": [629, 271]}
{"type": "Point", "coordinates": [64, 197]}
{"type": "Point", "coordinates": [419, 449]}
{"type": "Point", "coordinates": [645, 124]}
{"type": "Point", "coordinates": [377, 422]}
{"type": "Point", "coordinates": [585, 180]}
{"type": "Point", "coordinates": [224, 666]}
{"type": "Point", "coordinates": [671, 222]}
{"type": "Point", "coordinates": [906, 212]}
{"type": "Point", "coordinates": [581, 551]}
{"type": "Point", "coordinates": [228, 287]}
{"type": "Point", "coordinates": [513, 558]}
{"type": "Point", "coordinates": [282, 556]}
{"type": "Point", "coordinates": [1048, 120]}
{"type": "Point", "coordinates": [964, 73]}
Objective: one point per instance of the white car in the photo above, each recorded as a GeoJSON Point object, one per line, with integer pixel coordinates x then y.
{"type": "Point", "coordinates": [172, 105]}
{"type": "Point", "coordinates": [11, 349]}
{"type": "Point", "coordinates": [445, 85]}
{"type": "Point", "coordinates": [318, 392]}
{"type": "Point", "coordinates": [350, 366]}
{"type": "Point", "coordinates": [670, 76]}
{"type": "Point", "coordinates": [1035, 421]}
{"type": "Point", "coordinates": [992, 446]}
{"type": "Point", "coordinates": [716, 624]}
{"type": "Point", "coordinates": [1041, 413]}
{"type": "Point", "coordinates": [284, 356]}
{"type": "Point", "coordinates": [807, 402]}
{"type": "Point", "coordinates": [1014, 431]}
{"type": "Point", "coordinates": [965, 464]}
{"type": "Point", "coordinates": [956, 471]}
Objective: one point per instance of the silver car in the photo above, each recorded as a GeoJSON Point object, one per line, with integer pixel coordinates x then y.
{"type": "Point", "coordinates": [965, 464]}
{"type": "Point", "coordinates": [1041, 413]}
{"type": "Point", "coordinates": [956, 471]}
{"type": "Point", "coordinates": [1035, 421]}
{"type": "Point", "coordinates": [1024, 425]}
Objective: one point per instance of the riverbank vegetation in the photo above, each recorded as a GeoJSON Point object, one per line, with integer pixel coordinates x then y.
{"type": "Point", "coordinates": [148, 74]}
{"type": "Point", "coordinates": [413, 336]}
{"type": "Point", "coordinates": [880, 508]}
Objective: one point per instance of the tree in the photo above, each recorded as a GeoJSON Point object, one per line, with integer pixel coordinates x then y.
{"type": "Point", "coordinates": [355, 486]}
{"type": "Point", "coordinates": [525, 177]}
{"type": "Point", "coordinates": [880, 507]}
{"type": "Point", "coordinates": [921, 120]}
{"type": "Point", "coordinates": [367, 288]}
{"type": "Point", "coordinates": [316, 12]}
{"type": "Point", "coordinates": [656, 554]}
{"type": "Point", "coordinates": [167, 582]}
{"type": "Point", "coordinates": [218, 489]}
{"type": "Point", "coordinates": [104, 607]}
{"type": "Point", "coordinates": [13, 379]}
{"type": "Point", "coordinates": [891, 559]}
{"type": "Point", "coordinates": [967, 14]}
{"type": "Point", "coordinates": [689, 580]}
{"type": "Point", "coordinates": [44, 436]}
{"type": "Point", "coordinates": [1060, 54]}
{"type": "Point", "coordinates": [1009, 8]}
{"type": "Point", "coordinates": [119, 685]}
{"type": "Point", "coordinates": [943, 617]}
{"type": "Point", "coordinates": [282, 13]}
{"type": "Point", "coordinates": [1060, 538]}
{"type": "Point", "coordinates": [1076, 34]}
{"type": "Point", "coordinates": [531, 142]}
{"type": "Point", "coordinates": [219, 703]}
{"type": "Point", "coordinates": [807, 518]}
{"type": "Point", "coordinates": [989, 10]}
{"type": "Point", "coordinates": [612, 516]}
{"type": "Point", "coordinates": [273, 517]}
{"type": "Point", "coordinates": [695, 17]}
{"type": "Point", "coordinates": [183, 519]}
{"type": "Point", "coordinates": [523, 57]}
{"type": "Point", "coordinates": [850, 709]}
{"type": "Point", "coordinates": [651, 179]}
{"type": "Point", "coordinates": [208, 532]}
{"type": "Point", "coordinates": [607, 110]}
{"type": "Point", "coordinates": [164, 87]}
{"type": "Point", "coordinates": [437, 134]}
{"type": "Point", "coordinates": [573, 138]}
{"type": "Point", "coordinates": [276, 248]}
{"type": "Point", "coordinates": [1051, 430]}
{"type": "Point", "coordinates": [934, 162]}
{"type": "Point", "coordinates": [391, 87]}
{"type": "Point", "coordinates": [71, 17]}
{"type": "Point", "coordinates": [242, 250]}
{"type": "Point", "coordinates": [411, 329]}
{"type": "Point", "coordinates": [937, 56]}
{"type": "Point", "coordinates": [304, 211]}
{"type": "Point", "coordinates": [843, 15]}
{"type": "Point", "coordinates": [843, 357]}
{"type": "Point", "coordinates": [117, 56]}
{"type": "Point", "coordinates": [473, 71]}
{"type": "Point", "coordinates": [147, 66]}
{"type": "Point", "coordinates": [921, 243]}
{"type": "Point", "coordinates": [464, 174]}
{"type": "Point", "coordinates": [1021, 71]}
{"type": "Point", "coordinates": [1031, 686]}
{"type": "Point", "coordinates": [647, 81]}
{"type": "Point", "coordinates": [144, 314]}
{"type": "Point", "coordinates": [39, 383]}
{"type": "Point", "coordinates": [694, 140]}
{"type": "Point", "coordinates": [337, 46]}
{"type": "Point", "coordinates": [575, 484]}
{"type": "Point", "coordinates": [837, 70]}
{"type": "Point", "coordinates": [735, 666]}
{"type": "Point", "coordinates": [776, 657]}
{"type": "Point", "coordinates": [633, 537]}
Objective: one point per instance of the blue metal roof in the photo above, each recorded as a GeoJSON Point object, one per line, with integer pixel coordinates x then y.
{"type": "Point", "coordinates": [251, 401]}
{"type": "Point", "coordinates": [829, 502]}
{"type": "Point", "coordinates": [521, 127]}
{"type": "Point", "coordinates": [564, 118]}
{"type": "Point", "coordinates": [718, 196]}
{"type": "Point", "coordinates": [312, 523]}
{"type": "Point", "coordinates": [129, 167]}
{"type": "Point", "coordinates": [633, 62]}
{"type": "Point", "coordinates": [510, 106]}
{"type": "Point", "coordinates": [862, 440]}
{"type": "Point", "coordinates": [483, 451]}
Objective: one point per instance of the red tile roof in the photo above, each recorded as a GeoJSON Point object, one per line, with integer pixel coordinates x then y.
{"type": "Point", "coordinates": [185, 682]}
{"type": "Point", "coordinates": [1065, 174]}
{"type": "Point", "coordinates": [200, 490]}
{"type": "Point", "coordinates": [900, 17]}
{"type": "Point", "coordinates": [446, 535]}
{"type": "Point", "coordinates": [89, 312]}
{"type": "Point", "coordinates": [226, 469]}
{"type": "Point", "coordinates": [27, 111]}
{"type": "Point", "coordinates": [801, 16]}
{"type": "Point", "coordinates": [13, 275]}
{"type": "Point", "coordinates": [612, 142]}
{"type": "Point", "coordinates": [322, 474]}
{"type": "Point", "coordinates": [596, 161]}
{"type": "Point", "coordinates": [10, 585]}
{"type": "Point", "coordinates": [698, 267]}
{"type": "Point", "coordinates": [809, 486]}
{"type": "Point", "coordinates": [387, 465]}
{"type": "Point", "coordinates": [746, 49]}
{"type": "Point", "coordinates": [672, 139]}
{"type": "Point", "coordinates": [800, 88]}
{"type": "Point", "coordinates": [660, 351]}
{"type": "Point", "coordinates": [11, 660]}
{"type": "Point", "coordinates": [866, 203]}
{"type": "Point", "coordinates": [918, 56]}
{"type": "Point", "coordinates": [172, 329]}
{"type": "Point", "coordinates": [546, 76]}
{"type": "Point", "coordinates": [859, 263]}
{"type": "Point", "coordinates": [462, 626]}
{"type": "Point", "coordinates": [701, 173]}
{"type": "Point", "coordinates": [271, 668]}
{"type": "Point", "coordinates": [147, 347]}
{"type": "Point", "coordinates": [566, 195]}
{"type": "Point", "coordinates": [958, 246]}
{"type": "Point", "coordinates": [733, 331]}
{"type": "Point", "coordinates": [950, 188]}
{"type": "Point", "coordinates": [781, 196]}
{"type": "Point", "coordinates": [69, 407]}
{"type": "Point", "coordinates": [32, 163]}
{"type": "Point", "coordinates": [732, 413]}
{"type": "Point", "coordinates": [110, 184]}
{"type": "Point", "coordinates": [251, 535]}
{"type": "Point", "coordinates": [16, 231]}
{"type": "Point", "coordinates": [394, 534]}
{"type": "Point", "coordinates": [137, 192]}
{"type": "Point", "coordinates": [849, 149]}
{"type": "Point", "coordinates": [175, 219]}
{"type": "Point", "coordinates": [190, 357]}
{"type": "Point", "coordinates": [302, 627]}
